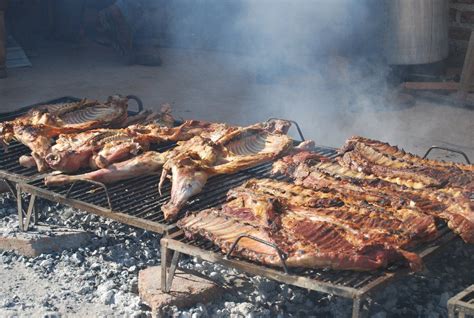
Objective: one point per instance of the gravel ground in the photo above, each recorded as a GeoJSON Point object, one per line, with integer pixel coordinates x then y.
{"type": "Point", "coordinates": [101, 279]}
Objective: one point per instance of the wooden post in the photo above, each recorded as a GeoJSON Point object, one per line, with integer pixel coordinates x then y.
{"type": "Point", "coordinates": [467, 75]}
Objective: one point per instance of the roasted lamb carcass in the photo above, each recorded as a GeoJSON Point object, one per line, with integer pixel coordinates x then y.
{"type": "Point", "coordinates": [36, 128]}
{"type": "Point", "coordinates": [316, 172]}
{"type": "Point", "coordinates": [97, 149]}
{"type": "Point", "coordinates": [192, 162]}
{"type": "Point", "coordinates": [241, 149]}
{"type": "Point", "coordinates": [309, 237]}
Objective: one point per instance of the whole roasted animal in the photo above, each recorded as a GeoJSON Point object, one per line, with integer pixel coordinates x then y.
{"type": "Point", "coordinates": [334, 237]}
{"type": "Point", "coordinates": [97, 149]}
{"type": "Point", "coordinates": [37, 127]}
{"type": "Point", "coordinates": [320, 173]}
{"type": "Point", "coordinates": [193, 161]}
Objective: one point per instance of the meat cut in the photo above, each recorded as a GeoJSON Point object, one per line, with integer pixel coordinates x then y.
{"type": "Point", "coordinates": [338, 237]}
{"type": "Point", "coordinates": [389, 163]}
{"type": "Point", "coordinates": [313, 171]}
{"type": "Point", "coordinates": [97, 149]}
{"type": "Point", "coordinates": [36, 128]}
{"type": "Point", "coordinates": [221, 151]}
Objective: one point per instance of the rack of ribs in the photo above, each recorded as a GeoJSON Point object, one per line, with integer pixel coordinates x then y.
{"type": "Point", "coordinates": [319, 173]}
{"type": "Point", "coordinates": [192, 162]}
{"type": "Point", "coordinates": [338, 237]}
{"type": "Point", "coordinates": [389, 163]}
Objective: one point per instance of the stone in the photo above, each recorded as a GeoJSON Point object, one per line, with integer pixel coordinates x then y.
{"type": "Point", "coordinates": [108, 297]}
{"type": "Point", "coordinates": [52, 314]}
{"type": "Point", "coordinates": [187, 290]}
{"type": "Point", "coordinates": [34, 242]}
{"type": "Point", "coordinates": [380, 314]}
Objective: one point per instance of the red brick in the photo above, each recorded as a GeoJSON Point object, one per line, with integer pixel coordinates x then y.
{"type": "Point", "coordinates": [186, 290]}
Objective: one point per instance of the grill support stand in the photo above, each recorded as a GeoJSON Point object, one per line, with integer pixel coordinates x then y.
{"type": "Point", "coordinates": [167, 275]}
{"type": "Point", "coordinates": [24, 218]}
{"type": "Point", "coordinates": [170, 259]}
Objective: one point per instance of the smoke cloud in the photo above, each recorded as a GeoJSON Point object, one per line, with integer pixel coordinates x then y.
{"type": "Point", "coordinates": [318, 62]}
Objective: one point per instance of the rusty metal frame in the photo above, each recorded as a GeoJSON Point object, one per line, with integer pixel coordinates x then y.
{"type": "Point", "coordinates": [462, 304]}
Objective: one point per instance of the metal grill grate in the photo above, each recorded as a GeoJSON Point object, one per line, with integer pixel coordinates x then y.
{"type": "Point", "coordinates": [139, 197]}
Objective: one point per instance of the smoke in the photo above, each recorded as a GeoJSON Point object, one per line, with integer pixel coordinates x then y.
{"type": "Point", "coordinates": [315, 62]}
{"type": "Point", "coordinates": [318, 62]}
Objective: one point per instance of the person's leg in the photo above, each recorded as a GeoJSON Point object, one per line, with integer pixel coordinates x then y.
{"type": "Point", "coordinates": [3, 39]}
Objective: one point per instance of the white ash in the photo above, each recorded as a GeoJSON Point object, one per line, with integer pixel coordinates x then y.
{"type": "Point", "coordinates": [103, 277]}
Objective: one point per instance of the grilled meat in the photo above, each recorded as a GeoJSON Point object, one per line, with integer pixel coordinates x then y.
{"type": "Point", "coordinates": [308, 240]}
{"type": "Point", "coordinates": [387, 162]}
{"type": "Point", "coordinates": [387, 149]}
{"type": "Point", "coordinates": [404, 225]}
{"type": "Point", "coordinates": [36, 128]}
{"type": "Point", "coordinates": [148, 163]}
{"type": "Point", "coordinates": [322, 174]}
{"type": "Point", "coordinates": [244, 148]}
{"type": "Point", "coordinates": [193, 161]}
{"type": "Point", "coordinates": [100, 148]}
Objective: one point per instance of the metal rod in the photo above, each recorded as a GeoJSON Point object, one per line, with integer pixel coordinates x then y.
{"type": "Point", "coordinates": [300, 132]}
{"type": "Point", "coordinates": [280, 253]}
{"type": "Point", "coordinates": [448, 149]}
{"type": "Point", "coordinates": [20, 207]}
{"type": "Point", "coordinates": [31, 209]}
{"type": "Point", "coordinates": [164, 265]}
{"type": "Point", "coordinates": [100, 184]}
{"type": "Point", "coordinates": [10, 186]}
{"type": "Point", "coordinates": [357, 308]}
{"type": "Point", "coordinates": [172, 270]}
{"type": "Point", "coordinates": [137, 100]}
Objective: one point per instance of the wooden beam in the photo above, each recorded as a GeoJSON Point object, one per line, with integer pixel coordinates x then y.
{"type": "Point", "coordinates": [435, 86]}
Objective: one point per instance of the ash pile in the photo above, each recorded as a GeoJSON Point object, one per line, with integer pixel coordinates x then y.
{"type": "Point", "coordinates": [102, 277]}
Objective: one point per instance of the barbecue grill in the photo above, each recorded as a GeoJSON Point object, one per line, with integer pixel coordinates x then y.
{"type": "Point", "coordinates": [136, 202]}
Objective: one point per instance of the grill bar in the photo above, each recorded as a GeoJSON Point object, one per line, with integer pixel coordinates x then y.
{"type": "Point", "coordinates": [138, 198]}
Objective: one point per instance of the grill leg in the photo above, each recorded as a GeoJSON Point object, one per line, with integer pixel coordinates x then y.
{"type": "Point", "coordinates": [20, 208]}
{"type": "Point", "coordinates": [172, 270]}
{"type": "Point", "coordinates": [30, 211]}
{"type": "Point", "coordinates": [164, 265]}
{"type": "Point", "coordinates": [357, 310]}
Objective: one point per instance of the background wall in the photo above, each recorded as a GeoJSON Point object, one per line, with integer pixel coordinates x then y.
{"type": "Point", "coordinates": [461, 14]}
